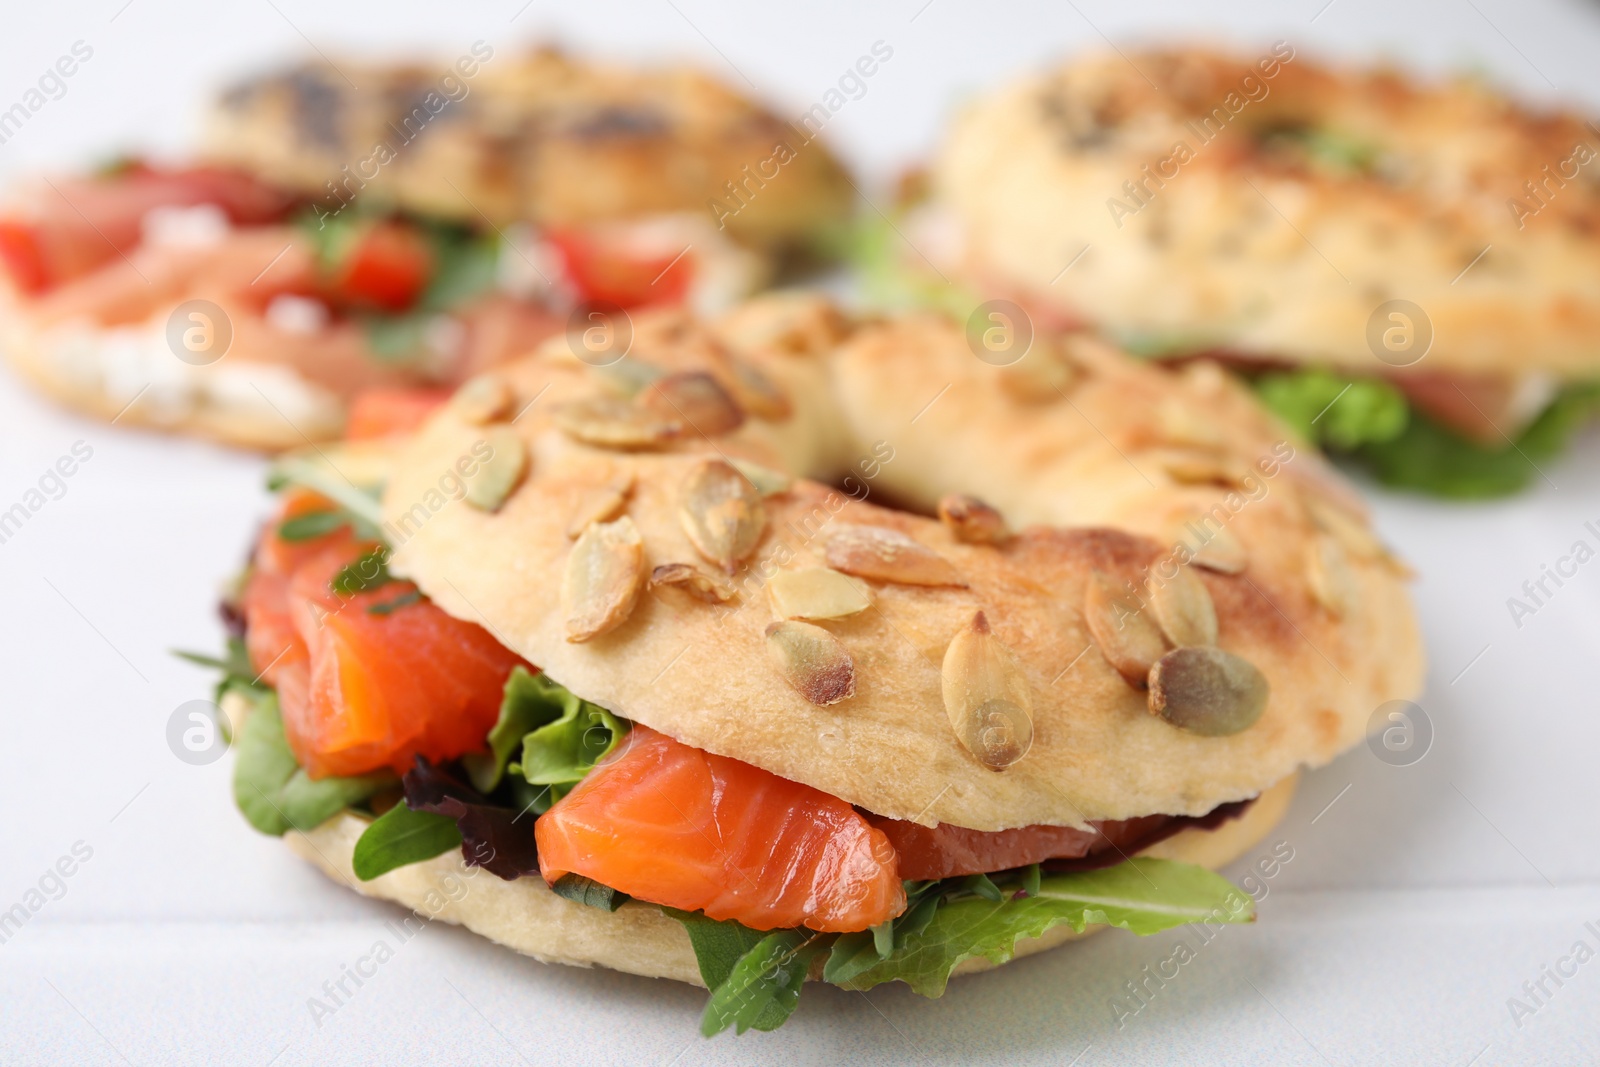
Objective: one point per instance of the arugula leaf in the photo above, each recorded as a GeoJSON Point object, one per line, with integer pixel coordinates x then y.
{"type": "Point", "coordinates": [312, 524]}
{"type": "Point", "coordinates": [236, 668]}
{"type": "Point", "coordinates": [1331, 409]}
{"type": "Point", "coordinates": [1327, 149]}
{"type": "Point", "coordinates": [575, 735]}
{"type": "Point", "coordinates": [764, 986]}
{"type": "Point", "coordinates": [272, 790]}
{"type": "Point", "coordinates": [581, 890]}
{"type": "Point", "coordinates": [718, 945]}
{"type": "Point", "coordinates": [856, 953]}
{"type": "Point", "coordinates": [980, 885]}
{"type": "Point", "coordinates": [397, 340]}
{"type": "Point", "coordinates": [400, 836]}
{"type": "Point", "coordinates": [389, 607]}
{"type": "Point", "coordinates": [889, 274]}
{"type": "Point", "coordinates": [1145, 896]}
{"type": "Point", "coordinates": [365, 512]}
{"type": "Point", "coordinates": [465, 265]}
{"type": "Point", "coordinates": [332, 235]}
{"type": "Point", "coordinates": [369, 571]}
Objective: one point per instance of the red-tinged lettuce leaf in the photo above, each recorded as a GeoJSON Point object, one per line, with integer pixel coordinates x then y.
{"type": "Point", "coordinates": [495, 837]}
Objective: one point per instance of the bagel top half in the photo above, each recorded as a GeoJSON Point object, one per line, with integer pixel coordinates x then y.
{"type": "Point", "coordinates": [538, 137]}
{"type": "Point", "coordinates": [1274, 205]}
{"type": "Point", "coordinates": [597, 568]}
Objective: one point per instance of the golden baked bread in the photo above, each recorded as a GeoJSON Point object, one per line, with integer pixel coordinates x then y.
{"type": "Point", "coordinates": [986, 669]}
{"type": "Point", "coordinates": [538, 137]}
{"type": "Point", "coordinates": [1270, 207]}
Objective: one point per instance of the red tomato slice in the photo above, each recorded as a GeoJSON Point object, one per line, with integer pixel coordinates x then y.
{"type": "Point", "coordinates": [387, 268]}
{"type": "Point", "coordinates": [74, 226]}
{"type": "Point", "coordinates": [605, 267]}
{"type": "Point", "coordinates": [23, 257]}
{"type": "Point", "coordinates": [671, 824]}
{"type": "Point", "coordinates": [385, 412]}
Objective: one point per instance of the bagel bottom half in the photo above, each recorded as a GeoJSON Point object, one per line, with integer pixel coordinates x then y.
{"type": "Point", "coordinates": [241, 403]}
{"type": "Point", "coordinates": [526, 915]}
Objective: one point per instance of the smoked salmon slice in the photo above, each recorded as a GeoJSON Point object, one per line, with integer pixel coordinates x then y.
{"type": "Point", "coordinates": [371, 678]}
{"type": "Point", "coordinates": [677, 826]}
{"type": "Point", "coordinates": [67, 229]}
{"type": "Point", "coordinates": [389, 411]}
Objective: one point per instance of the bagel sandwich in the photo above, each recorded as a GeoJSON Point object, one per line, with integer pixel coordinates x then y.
{"type": "Point", "coordinates": [1405, 270]}
{"type": "Point", "coordinates": [344, 257]}
{"type": "Point", "coordinates": [789, 645]}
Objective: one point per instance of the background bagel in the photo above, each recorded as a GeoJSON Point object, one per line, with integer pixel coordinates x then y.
{"type": "Point", "coordinates": [639, 938]}
{"type": "Point", "coordinates": [1098, 462]}
{"type": "Point", "coordinates": [232, 403]}
{"type": "Point", "coordinates": [1275, 204]}
{"type": "Point", "coordinates": [540, 137]}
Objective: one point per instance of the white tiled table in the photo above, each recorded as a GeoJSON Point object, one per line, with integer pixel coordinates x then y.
{"type": "Point", "coordinates": [1415, 906]}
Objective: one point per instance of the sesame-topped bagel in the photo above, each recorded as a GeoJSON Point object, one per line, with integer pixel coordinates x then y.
{"type": "Point", "coordinates": [1137, 598]}
{"type": "Point", "coordinates": [1273, 207]}
{"type": "Point", "coordinates": [539, 137]}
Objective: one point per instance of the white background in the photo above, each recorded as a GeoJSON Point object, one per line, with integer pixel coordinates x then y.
{"type": "Point", "coordinates": [1413, 908]}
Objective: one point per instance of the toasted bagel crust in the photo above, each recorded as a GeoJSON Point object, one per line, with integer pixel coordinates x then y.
{"type": "Point", "coordinates": [1204, 221]}
{"type": "Point", "coordinates": [638, 938]}
{"type": "Point", "coordinates": [540, 137]}
{"type": "Point", "coordinates": [1095, 473]}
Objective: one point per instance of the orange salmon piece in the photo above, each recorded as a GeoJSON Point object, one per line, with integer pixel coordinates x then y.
{"type": "Point", "coordinates": [673, 825]}
{"type": "Point", "coordinates": [390, 684]}
{"type": "Point", "coordinates": [388, 411]}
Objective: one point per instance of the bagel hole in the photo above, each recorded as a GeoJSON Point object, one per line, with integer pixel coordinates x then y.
{"type": "Point", "coordinates": [878, 496]}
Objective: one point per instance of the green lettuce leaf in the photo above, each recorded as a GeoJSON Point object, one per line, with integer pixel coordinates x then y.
{"type": "Point", "coordinates": [311, 525]}
{"type": "Point", "coordinates": [856, 953]}
{"type": "Point", "coordinates": [400, 836]}
{"type": "Point", "coordinates": [273, 792]}
{"type": "Point", "coordinates": [1429, 457]}
{"type": "Point", "coordinates": [893, 275]}
{"type": "Point", "coordinates": [763, 988]}
{"type": "Point", "coordinates": [718, 945]}
{"type": "Point", "coordinates": [1323, 148]}
{"type": "Point", "coordinates": [370, 570]}
{"type": "Point", "coordinates": [397, 340]}
{"type": "Point", "coordinates": [1330, 409]}
{"type": "Point", "coordinates": [465, 265]}
{"type": "Point", "coordinates": [236, 671]}
{"type": "Point", "coordinates": [359, 501]}
{"type": "Point", "coordinates": [526, 703]}
{"type": "Point", "coordinates": [1144, 896]}
{"type": "Point", "coordinates": [575, 735]}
